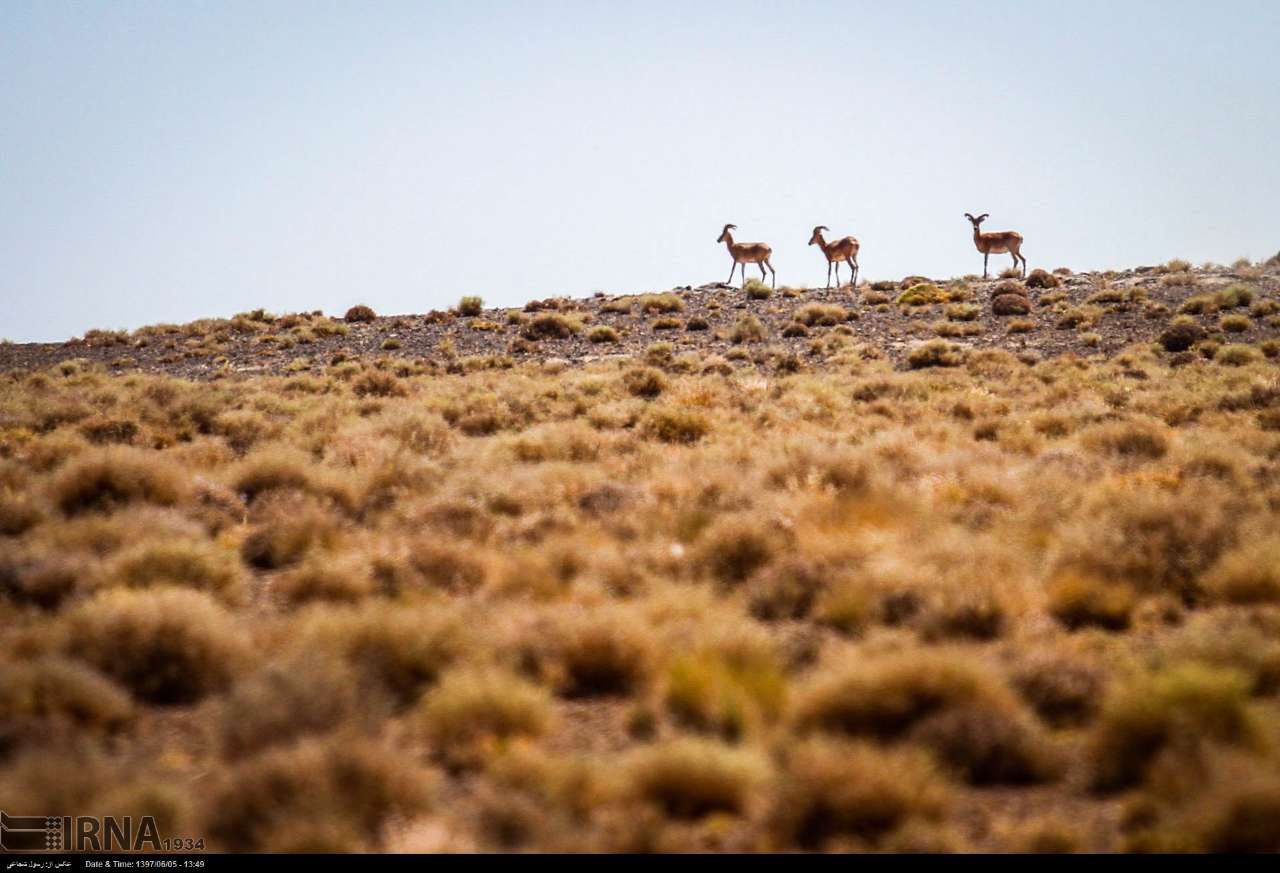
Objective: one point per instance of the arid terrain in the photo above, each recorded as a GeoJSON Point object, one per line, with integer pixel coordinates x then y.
{"type": "Point", "coordinates": [1085, 314]}
{"type": "Point", "coordinates": [929, 565]}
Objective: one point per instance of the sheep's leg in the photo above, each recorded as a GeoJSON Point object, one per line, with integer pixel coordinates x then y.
{"type": "Point", "coordinates": [985, 256]}
{"type": "Point", "coordinates": [731, 269]}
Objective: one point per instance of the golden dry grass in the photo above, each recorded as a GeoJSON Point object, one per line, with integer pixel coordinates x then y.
{"type": "Point", "coordinates": [669, 602]}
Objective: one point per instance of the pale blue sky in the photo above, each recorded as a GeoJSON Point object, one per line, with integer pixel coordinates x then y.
{"type": "Point", "coordinates": [163, 161]}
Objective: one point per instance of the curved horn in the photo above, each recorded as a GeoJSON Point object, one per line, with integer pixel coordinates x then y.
{"type": "Point", "coordinates": [968, 216]}
{"type": "Point", "coordinates": [821, 227]}
{"type": "Point", "coordinates": [730, 227]}
{"type": "Point", "coordinates": [984, 216]}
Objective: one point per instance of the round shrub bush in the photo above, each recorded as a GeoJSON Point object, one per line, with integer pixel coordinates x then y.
{"type": "Point", "coordinates": [168, 646]}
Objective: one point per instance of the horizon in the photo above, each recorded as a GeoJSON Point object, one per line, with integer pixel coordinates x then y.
{"type": "Point", "coordinates": [165, 165]}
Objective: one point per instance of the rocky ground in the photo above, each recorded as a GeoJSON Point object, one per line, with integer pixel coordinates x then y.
{"type": "Point", "coordinates": [1080, 313]}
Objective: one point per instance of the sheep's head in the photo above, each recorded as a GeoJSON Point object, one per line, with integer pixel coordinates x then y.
{"type": "Point", "coordinates": [724, 234]}
{"type": "Point", "coordinates": [976, 222]}
{"type": "Point", "coordinates": [816, 239]}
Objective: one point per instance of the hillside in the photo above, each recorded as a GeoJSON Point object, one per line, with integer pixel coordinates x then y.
{"type": "Point", "coordinates": [909, 577]}
{"type": "Point", "coordinates": [1086, 313]}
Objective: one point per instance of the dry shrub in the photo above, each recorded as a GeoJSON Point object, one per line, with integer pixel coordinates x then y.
{"type": "Point", "coordinates": [327, 578]}
{"type": "Point", "coordinates": [689, 778]}
{"type": "Point", "coordinates": [393, 647]}
{"type": "Point", "coordinates": [44, 583]}
{"type": "Point", "coordinates": [646, 382]}
{"type": "Point", "coordinates": [738, 546]}
{"type": "Point", "coordinates": [970, 722]}
{"type": "Point", "coordinates": [1010, 304]}
{"type": "Point", "coordinates": [727, 688]}
{"type": "Point", "coordinates": [19, 513]}
{"type": "Point", "coordinates": [833, 792]}
{"type": "Point", "coordinates": [572, 441]}
{"type": "Point", "coordinates": [1244, 641]}
{"type": "Point", "coordinates": [1157, 541]}
{"type": "Point", "coordinates": [106, 479]}
{"type": "Point", "coordinates": [1234, 296]}
{"type": "Point", "coordinates": [1081, 600]}
{"type": "Point", "coordinates": [378, 383]}
{"type": "Point", "coordinates": [316, 797]}
{"type": "Point", "coordinates": [54, 696]}
{"type": "Point", "coordinates": [675, 425]}
{"type": "Point", "coordinates": [850, 604]}
{"type": "Point", "coordinates": [197, 564]}
{"type": "Point", "coordinates": [603, 333]}
{"type": "Point", "coordinates": [821, 315]}
{"type": "Point", "coordinates": [1236, 355]}
{"type": "Point", "coordinates": [885, 698]}
{"type": "Point", "coordinates": [306, 694]}
{"type": "Point", "coordinates": [787, 590]}
{"type": "Point", "coordinates": [1228, 804]}
{"type": "Point", "coordinates": [1174, 710]}
{"type": "Point", "coordinates": [660, 303]}
{"type": "Point", "coordinates": [421, 432]}
{"type": "Point", "coordinates": [1199, 304]}
{"type": "Point", "coordinates": [957, 328]}
{"type": "Point", "coordinates": [748, 329]}
{"type": "Point", "coordinates": [1234, 323]}
{"type": "Point", "coordinates": [1179, 280]}
{"type": "Point", "coordinates": [550, 325]}
{"type": "Point", "coordinates": [1047, 836]}
{"type": "Point", "coordinates": [168, 646]}
{"type": "Point", "coordinates": [471, 711]}
{"type": "Point", "coordinates": [1137, 440]}
{"type": "Point", "coordinates": [286, 527]}
{"type": "Point", "coordinates": [922, 294]}
{"type": "Point", "coordinates": [660, 355]}
{"type": "Point", "coordinates": [359, 314]}
{"type": "Point", "coordinates": [935, 353]}
{"type": "Point", "coordinates": [102, 430]}
{"type": "Point", "coordinates": [1085, 316]}
{"type": "Point", "coordinates": [281, 468]}
{"type": "Point", "coordinates": [1063, 691]}
{"type": "Point", "coordinates": [445, 566]}
{"type": "Point", "coordinates": [987, 745]}
{"type": "Point", "coordinates": [243, 428]}
{"type": "Point", "coordinates": [603, 652]}
{"type": "Point", "coordinates": [819, 465]}
{"type": "Point", "coordinates": [56, 775]}
{"type": "Point", "coordinates": [1249, 574]}
{"type": "Point", "coordinates": [1238, 814]}
{"type": "Point", "coordinates": [969, 610]}
{"type": "Point", "coordinates": [1039, 278]}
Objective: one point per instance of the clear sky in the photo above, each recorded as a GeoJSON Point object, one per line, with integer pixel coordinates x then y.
{"type": "Point", "coordinates": [165, 161]}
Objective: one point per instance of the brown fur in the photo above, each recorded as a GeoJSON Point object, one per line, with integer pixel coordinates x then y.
{"type": "Point", "coordinates": [844, 249]}
{"type": "Point", "coordinates": [747, 253]}
{"type": "Point", "coordinates": [999, 241]}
